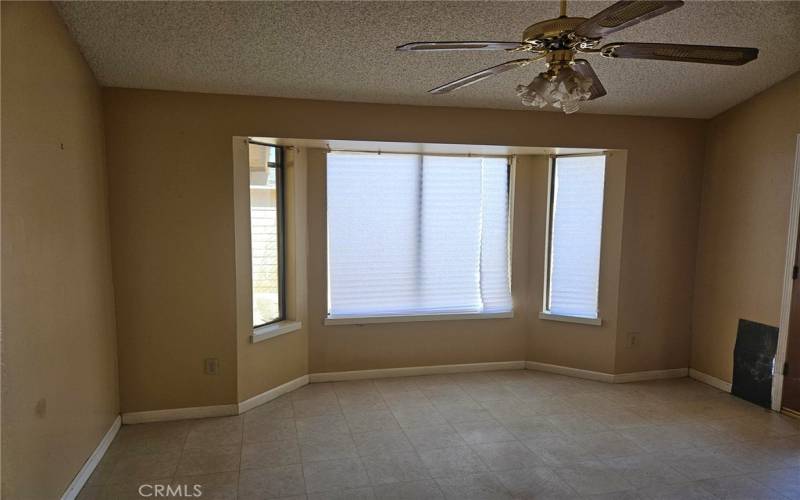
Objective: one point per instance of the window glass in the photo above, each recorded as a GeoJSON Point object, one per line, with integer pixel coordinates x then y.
{"type": "Point", "coordinates": [265, 233]}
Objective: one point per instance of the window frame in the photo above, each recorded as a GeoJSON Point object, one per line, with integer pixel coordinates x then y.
{"type": "Point", "coordinates": [551, 181]}
{"type": "Point", "coordinates": [331, 319]}
{"type": "Point", "coordinates": [278, 165]}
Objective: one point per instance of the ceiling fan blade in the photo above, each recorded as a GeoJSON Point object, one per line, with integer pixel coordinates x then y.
{"type": "Point", "coordinates": [480, 75]}
{"type": "Point", "coordinates": [706, 54]}
{"type": "Point", "coordinates": [461, 46]}
{"type": "Point", "coordinates": [583, 68]}
{"type": "Point", "coordinates": [622, 15]}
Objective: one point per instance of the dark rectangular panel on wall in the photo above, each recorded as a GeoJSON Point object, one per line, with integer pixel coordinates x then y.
{"type": "Point", "coordinates": [753, 358]}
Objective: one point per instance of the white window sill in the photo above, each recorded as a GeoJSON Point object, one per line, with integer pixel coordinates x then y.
{"type": "Point", "coordinates": [364, 320]}
{"type": "Point", "coordinates": [274, 330]}
{"type": "Point", "coordinates": [570, 319]}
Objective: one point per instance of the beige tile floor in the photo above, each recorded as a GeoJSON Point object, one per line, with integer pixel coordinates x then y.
{"type": "Point", "coordinates": [506, 434]}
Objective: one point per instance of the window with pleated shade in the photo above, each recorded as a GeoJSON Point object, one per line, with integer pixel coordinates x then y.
{"type": "Point", "coordinates": [412, 235]}
{"type": "Point", "coordinates": [576, 221]}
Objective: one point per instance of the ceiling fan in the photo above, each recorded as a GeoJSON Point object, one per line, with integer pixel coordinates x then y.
{"type": "Point", "coordinates": [567, 80]}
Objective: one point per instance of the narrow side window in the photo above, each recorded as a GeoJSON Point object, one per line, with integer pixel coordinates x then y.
{"type": "Point", "coordinates": [266, 233]}
{"type": "Point", "coordinates": [576, 221]}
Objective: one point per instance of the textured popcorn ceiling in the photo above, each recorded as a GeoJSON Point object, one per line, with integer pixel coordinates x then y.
{"type": "Point", "coordinates": [345, 51]}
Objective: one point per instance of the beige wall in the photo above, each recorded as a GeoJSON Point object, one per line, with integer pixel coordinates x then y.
{"type": "Point", "coordinates": [172, 204]}
{"type": "Point", "coordinates": [659, 241]}
{"type": "Point", "coordinates": [59, 349]}
{"type": "Point", "coordinates": [744, 222]}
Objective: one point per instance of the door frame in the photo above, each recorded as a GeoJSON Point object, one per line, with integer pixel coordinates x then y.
{"type": "Point", "coordinates": [786, 297]}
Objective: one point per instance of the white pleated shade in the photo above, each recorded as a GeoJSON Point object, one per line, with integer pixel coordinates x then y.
{"type": "Point", "coordinates": [576, 225]}
{"type": "Point", "coordinates": [412, 235]}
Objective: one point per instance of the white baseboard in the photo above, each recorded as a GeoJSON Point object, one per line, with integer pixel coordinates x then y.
{"type": "Point", "coordinates": [622, 378]}
{"type": "Point", "coordinates": [141, 417]}
{"type": "Point", "coordinates": [236, 409]}
{"type": "Point", "coordinates": [708, 379]}
{"type": "Point", "coordinates": [415, 370]}
{"type": "Point", "coordinates": [618, 378]}
{"type": "Point", "coordinates": [80, 479]}
{"type": "Point", "coordinates": [273, 393]}
{"type": "Point", "coordinates": [572, 372]}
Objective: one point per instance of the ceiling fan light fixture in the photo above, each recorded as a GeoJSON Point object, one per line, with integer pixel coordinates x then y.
{"type": "Point", "coordinates": [563, 90]}
{"type": "Point", "coordinates": [569, 80]}
{"type": "Point", "coordinates": [536, 94]}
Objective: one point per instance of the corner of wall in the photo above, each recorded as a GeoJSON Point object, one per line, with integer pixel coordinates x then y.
{"type": "Point", "coordinates": [662, 203]}
{"type": "Point", "coordinates": [266, 366]}
{"type": "Point", "coordinates": [582, 347]}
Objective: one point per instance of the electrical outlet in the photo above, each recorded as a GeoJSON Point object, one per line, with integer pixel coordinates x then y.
{"type": "Point", "coordinates": [212, 366]}
{"type": "Point", "coordinates": [633, 340]}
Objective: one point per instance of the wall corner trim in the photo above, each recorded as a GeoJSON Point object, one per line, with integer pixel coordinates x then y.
{"type": "Point", "coordinates": [708, 379]}
{"type": "Point", "coordinates": [569, 371]}
{"type": "Point", "coordinates": [141, 417]}
{"type": "Point", "coordinates": [269, 395]}
{"type": "Point", "coordinates": [621, 378]}
{"type": "Point", "coordinates": [618, 378]}
{"type": "Point", "coordinates": [415, 370]}
{"type": "Point", "coordinates": [91, 463]}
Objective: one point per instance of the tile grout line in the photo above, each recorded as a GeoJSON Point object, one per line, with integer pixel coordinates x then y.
{"type": "Point", "coordinates": [416, 451]}
{"type": "Point", "coordinates": [434, 479]}
{"type": "Point", "coordinates": [350, 433]}
{"type": "Point", "coordinates": [300, 448]}
{"type": "Point", "coordinates": [241, 456]}
{"type": "Point", "coordinates": [180, 455]}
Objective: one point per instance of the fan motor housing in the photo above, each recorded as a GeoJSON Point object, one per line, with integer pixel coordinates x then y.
{"type": "Point", "coordinates": [551, 28]}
